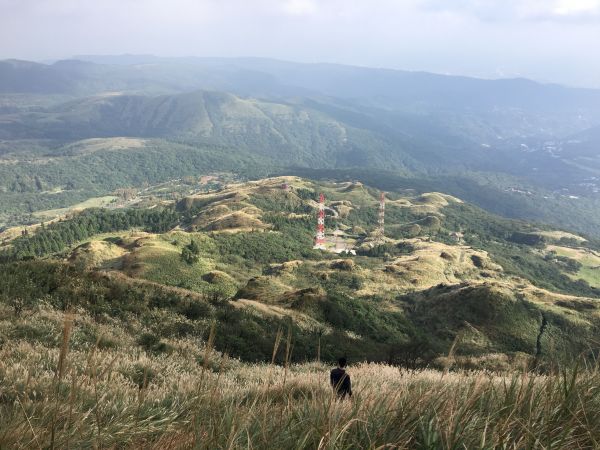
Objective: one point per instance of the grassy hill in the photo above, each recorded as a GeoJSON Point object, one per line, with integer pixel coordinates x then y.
{"type": "Point", "coordinates": [244, 252]}
{"type": "Point", "coordinates": [200, 398]}
{"type": "Point", "coordinates": [197, 313]}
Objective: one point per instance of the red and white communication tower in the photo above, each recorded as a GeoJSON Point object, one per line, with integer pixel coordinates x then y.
{"type": "Point", "coordinates": [320, 237]}
{"type": "Point", "coordinates": [380, 233]}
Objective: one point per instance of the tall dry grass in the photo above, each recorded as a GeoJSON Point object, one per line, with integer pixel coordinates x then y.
{"type": "Point", "coordinates": [197, 398]}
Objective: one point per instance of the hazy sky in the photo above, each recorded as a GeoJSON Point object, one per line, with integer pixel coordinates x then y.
{"type": "Point", "coordinates": [548, 40]}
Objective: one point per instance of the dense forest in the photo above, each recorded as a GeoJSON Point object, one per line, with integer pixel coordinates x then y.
{"type": "Point", "coordinates": [57, 236]}
{"type": "Point", "coordinates": [61, 181]}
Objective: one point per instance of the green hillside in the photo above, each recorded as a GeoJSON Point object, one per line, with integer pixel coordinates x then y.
{"type": "Point", "coordinates": [60, 155]}
{"type": "Point", "coordinates": [196, 312]}
{"type": "Point", "coordinates": [287, 133]}
{"type": "Point", "coordinates": [447, 275]}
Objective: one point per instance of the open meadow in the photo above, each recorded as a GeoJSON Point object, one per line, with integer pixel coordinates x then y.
{"type": "Point", "coordinates": [195, 397]}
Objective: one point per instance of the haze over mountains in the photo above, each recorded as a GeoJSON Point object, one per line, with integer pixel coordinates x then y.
{"type": "Point", "coordinates": [510, 137]}
{"type": "Point", "coordinates": [258, 76]}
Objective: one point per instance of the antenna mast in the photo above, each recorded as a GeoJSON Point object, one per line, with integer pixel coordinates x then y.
{"type": "Point", "coordinates": [320, 237]}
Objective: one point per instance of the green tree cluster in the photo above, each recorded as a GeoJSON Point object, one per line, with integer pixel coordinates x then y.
{"type": "Point", "coordinates": [57, 236]}
{"type": "Point", "coordinates": [191, 252]}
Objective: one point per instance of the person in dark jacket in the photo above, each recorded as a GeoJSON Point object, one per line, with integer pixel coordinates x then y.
{"type": "Point", "coordinates": [340, 380]}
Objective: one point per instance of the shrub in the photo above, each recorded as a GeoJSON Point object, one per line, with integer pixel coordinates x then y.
{"type": "Point", "coordinates": [191, 252]}
{"type": "Point", "coordinates": [152, 343]}
{"type": "Point", "coordinates": [195, 309]}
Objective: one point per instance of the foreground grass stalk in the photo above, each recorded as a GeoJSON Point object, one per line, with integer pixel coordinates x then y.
{"type": "Point", "coordinates": [288, 354]}
{"type": "Point", "coordinates": [35, 438]}
{"type": "Point", "coordinates": [208, 349]}
{"type": "Point", "coordinates": [60, 370]}
{"type": "Point", "coordinates": [278, 337]}
{"type": "Point", "coordinates": [71, 403]}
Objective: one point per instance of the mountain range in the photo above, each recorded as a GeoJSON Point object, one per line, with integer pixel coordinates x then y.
{"type": "Point", "coordinates": [512, 137]}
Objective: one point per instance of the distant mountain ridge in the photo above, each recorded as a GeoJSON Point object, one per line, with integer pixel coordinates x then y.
{"type": "Point", "coordinates": [290, 133]}
{"type": "Point", "coordinates": [250, 75]}
{"type": "Point", "coordinates": [512, 136]}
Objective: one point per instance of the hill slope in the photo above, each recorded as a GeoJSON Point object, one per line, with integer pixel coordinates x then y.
{"type": "Point", "coordinates": [292, 133]}
{"type": "Point", "coordinates": [446, 275]}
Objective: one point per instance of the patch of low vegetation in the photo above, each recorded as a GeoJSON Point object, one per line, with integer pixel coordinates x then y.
{"type": "Point", "coordinates": [155, 392]}
{"type": "Point", "coordinates": [263, 247]}
{"type": "Point", "coordinates": [191, 252]}
{"type": "Point", "coordinates": [579, 263]}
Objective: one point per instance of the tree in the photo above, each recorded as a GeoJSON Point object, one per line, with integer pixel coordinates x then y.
{"type": "Point", "coordinates": [194, 247]}
{"type": "Point", "coordinates": [191, 252]}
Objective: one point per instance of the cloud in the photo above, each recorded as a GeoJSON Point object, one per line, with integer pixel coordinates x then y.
{"type": "Point", "coordinates": [520, 10]}
{"type": "Point", "coordinates": [565, 8]}
{"type": "Point", "coordinates": [300, 7]}
{"type": "Point", "coordinates": [551, 40]}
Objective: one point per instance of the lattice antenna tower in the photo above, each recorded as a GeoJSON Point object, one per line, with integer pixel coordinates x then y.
{"type": "Point", "coordinates": [320, 236]}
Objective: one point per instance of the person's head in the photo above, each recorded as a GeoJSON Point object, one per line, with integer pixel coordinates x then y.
{"type": "Point", "coordinates": [342, 362]}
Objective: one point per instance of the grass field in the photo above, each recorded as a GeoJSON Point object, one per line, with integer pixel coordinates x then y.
{"type": "Point", "coordinates": [95, 202]}
{"type": "Point", "coordinates": [100, 397]}
{"type": "Point", "coordinates": [590, 270]}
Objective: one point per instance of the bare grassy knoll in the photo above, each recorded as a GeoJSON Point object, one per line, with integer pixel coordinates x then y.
{"type": "Point", "coordinates": [197, 398]}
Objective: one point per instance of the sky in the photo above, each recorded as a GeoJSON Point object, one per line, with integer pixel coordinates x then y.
{"type": "Point", "coordinates": [546, 40]}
